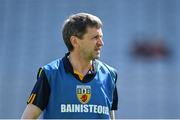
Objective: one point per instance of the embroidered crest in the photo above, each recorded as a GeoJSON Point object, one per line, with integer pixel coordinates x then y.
{"type": "Point", "coordinates": [83, 93]}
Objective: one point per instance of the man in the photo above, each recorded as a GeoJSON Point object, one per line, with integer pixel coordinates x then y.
{"type": "Point", "coordinates": [78, 85]}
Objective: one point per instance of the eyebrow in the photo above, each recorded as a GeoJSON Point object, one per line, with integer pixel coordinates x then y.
{"type": "Point", "coordinates": [97, 36]}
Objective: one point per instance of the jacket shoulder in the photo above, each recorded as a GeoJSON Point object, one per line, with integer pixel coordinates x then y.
{"type": "Point", "coordinates": [111, 70]}
{"type": "Point", "coordinates": [54, 65]}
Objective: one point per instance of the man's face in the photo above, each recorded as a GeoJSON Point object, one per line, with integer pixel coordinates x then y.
{"type": "Point", "coordinates": [91, 43]}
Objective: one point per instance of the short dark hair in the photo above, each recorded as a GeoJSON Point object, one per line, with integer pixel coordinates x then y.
{"type": "Point", "coordinates": [76, 25]}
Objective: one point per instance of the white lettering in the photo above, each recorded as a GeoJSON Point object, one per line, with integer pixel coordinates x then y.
{"type": "Point", "coordinates": [106, 110]}
{"type": "Point", "coordinates": [68, 108]}
{"type": "Point", "coordinates": [72, 108]}
{"type": "Point", "coordinates": [99, 109]}
{"type": "Point", "coordinates": [95, 108]}
{"type": "Point", "coordinates": [63, 108]}
{"type": "Point", "coordinates": [77, 108]}
{"type": "Point", "coordinates": [84, 108]}
{"type": "Point", "coordinates": [90, 108]}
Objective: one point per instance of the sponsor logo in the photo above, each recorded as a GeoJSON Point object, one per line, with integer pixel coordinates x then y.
{"type": "Point", "coordinates": [84, 108]}
{"type": "Point", "coordinates": [83, 93]}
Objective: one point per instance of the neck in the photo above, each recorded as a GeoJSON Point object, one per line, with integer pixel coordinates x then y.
{"type": "Point", "coordinates": [79, 63]}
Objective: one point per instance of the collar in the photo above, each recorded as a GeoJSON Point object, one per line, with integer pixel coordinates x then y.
{"type": "Point", "coordinates": [69, 69]}
{"type": "Point", "coordinates": [67, 65]}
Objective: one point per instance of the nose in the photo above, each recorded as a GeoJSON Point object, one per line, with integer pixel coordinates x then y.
{"type": "Point", "coordinates": [100, 42]}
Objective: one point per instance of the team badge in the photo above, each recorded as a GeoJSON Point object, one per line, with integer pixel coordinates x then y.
{"type": "Point", "coordinates": [83, 93]}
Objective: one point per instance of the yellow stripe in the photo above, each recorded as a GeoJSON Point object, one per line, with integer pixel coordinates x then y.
{"type": "Point", "coordinates": [91, 67]}
{"type": "Point", "coordinates": [40, 72]}
{"type": "Point", "coordinates": [79, 74]}
{"type": "Point", "coordinates": [32, 100]}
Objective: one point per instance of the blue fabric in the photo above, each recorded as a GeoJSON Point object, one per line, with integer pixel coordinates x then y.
{"type": "Point", "coordinates": [63, 100]}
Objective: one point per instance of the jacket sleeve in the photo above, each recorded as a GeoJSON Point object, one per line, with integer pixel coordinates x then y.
{"type": "Point", "coordinates": [41, 91]}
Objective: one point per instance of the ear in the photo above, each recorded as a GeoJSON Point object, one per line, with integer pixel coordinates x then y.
{"type": "Point", "coordinates": [74, 41]}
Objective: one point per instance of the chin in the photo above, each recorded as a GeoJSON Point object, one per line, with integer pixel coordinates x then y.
{"type": "Point", "coordinates": [97, 56]}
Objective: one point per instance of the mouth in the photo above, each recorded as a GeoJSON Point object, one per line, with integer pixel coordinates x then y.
{"type": "Point", "coordinates": [98, 49]}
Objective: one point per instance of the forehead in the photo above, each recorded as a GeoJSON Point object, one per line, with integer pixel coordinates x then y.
{"type": "Point", "coordinates": [91, 31]}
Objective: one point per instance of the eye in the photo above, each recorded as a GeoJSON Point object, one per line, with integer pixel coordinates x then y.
{"type": "Point", "coordinates": [97, 37]}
